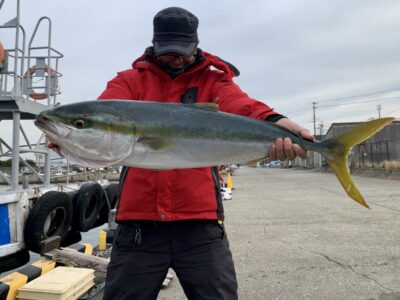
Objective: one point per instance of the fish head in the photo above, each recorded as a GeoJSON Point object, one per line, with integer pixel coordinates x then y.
{"type": "Point", "coordinates": [87, 136]}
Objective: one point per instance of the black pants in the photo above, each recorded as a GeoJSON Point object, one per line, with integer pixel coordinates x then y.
{"type": "Point", "coordinates": [197, 250]}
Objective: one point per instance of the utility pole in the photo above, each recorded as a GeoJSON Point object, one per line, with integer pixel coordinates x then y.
{"type": "Point", "coordinates": [314, 106]}
{"type": "Point", "coordinates": [379, 107]}
{"type": "Point", "coordinates": [321, 128]}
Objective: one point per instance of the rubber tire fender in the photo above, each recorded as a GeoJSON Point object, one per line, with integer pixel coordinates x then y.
{"type": "Point", "coordinates": [113, 194]}
{"type": "Point", "coordinates": [13, 261]}
{"type": "Point", "coordinates": [87, 204]}
{"type": "Point", "coordinates": [73, 235]}
{"type": "Point", "coordinates": [57, 203]}
{"type": "Point", "coordinates": [112, 191]}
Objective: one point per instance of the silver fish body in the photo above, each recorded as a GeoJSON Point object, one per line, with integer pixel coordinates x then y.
{"type": "Point", "coordinates": [156, 135]}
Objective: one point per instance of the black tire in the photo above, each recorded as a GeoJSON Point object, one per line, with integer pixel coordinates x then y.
{"type": "Point", "coordinates": [14, 260]}
{"type": "Point", "coordinates": [112, 191]}
{"type": "Point", "coordinates": [71, 237]}
{"type": "Point", "coordinates": [50, 216]}
{"type": "Point", "coordinates": [113, 194]}
{"type": "Point", "coordinates": [87, 204]}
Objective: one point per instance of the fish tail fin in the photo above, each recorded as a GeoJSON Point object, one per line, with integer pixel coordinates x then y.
{"type": "Point", "coordinates": [337, 149]}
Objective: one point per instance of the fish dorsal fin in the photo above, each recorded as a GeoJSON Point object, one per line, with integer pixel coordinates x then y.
{"type": "Point", "coordinates": [206, 106]}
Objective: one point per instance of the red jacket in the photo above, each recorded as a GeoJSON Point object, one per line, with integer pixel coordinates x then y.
{"type": "Point", "coordinates": [178, 194]}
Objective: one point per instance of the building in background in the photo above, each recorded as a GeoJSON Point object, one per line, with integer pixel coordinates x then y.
{"type": "Point", "coordinates": [373, 153]}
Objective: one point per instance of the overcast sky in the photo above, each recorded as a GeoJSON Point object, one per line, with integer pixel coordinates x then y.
{"type": "Point", "coordinates": [290, 52]}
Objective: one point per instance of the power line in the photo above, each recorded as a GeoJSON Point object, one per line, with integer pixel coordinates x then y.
{"type": "Point", "coordinates": [305, 110]}
{"type": "Point", "coordinates": [361, 95]}
{"type": "Point", "coordinates": [392, 111]}
{"type": "Point", "coordinates": [357, 102]}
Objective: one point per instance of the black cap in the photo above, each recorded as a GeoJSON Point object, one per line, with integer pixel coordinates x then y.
{"type": "Point", "coordinates": [175, 30]}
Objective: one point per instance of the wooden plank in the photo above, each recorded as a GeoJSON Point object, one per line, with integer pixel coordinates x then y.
{"type": "Point", "coordinates": [62, 283]}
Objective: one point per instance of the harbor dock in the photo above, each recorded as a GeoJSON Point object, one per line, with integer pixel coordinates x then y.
{"type": "Point", "coordinates": [294, 234]}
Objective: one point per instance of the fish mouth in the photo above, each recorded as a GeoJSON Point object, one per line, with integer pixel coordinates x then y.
{"type": "Point", "coordinates": [51, 128]}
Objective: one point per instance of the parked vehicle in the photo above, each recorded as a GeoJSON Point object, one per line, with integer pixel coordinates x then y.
{"type": "Point", "coordinates": [226, 193]}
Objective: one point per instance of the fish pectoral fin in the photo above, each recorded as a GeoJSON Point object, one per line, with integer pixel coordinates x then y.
{"type": "Point", "coordinates": [154, 142]}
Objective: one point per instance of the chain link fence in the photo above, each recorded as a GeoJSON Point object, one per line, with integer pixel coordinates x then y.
{"type": "Point", "coordinates": [373, 155]}
{"type": "Point", "coordinates": [382, 154]}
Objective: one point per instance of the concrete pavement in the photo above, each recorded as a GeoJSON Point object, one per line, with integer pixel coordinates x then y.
{"type": "Point", "coordinates": [294, 234]}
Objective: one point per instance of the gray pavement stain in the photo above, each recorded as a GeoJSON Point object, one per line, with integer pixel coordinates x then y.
{"type": "Point", "coordinates": [391, 296]}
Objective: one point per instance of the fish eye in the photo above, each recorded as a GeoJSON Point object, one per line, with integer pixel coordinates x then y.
{"type": "Point", "coordinates": [79, 123]}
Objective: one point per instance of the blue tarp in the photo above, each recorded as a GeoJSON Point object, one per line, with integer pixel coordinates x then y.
{"type": "Point", "coordinates": [4, 225]}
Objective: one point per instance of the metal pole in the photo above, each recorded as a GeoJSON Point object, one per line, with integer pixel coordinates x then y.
{"type": "Point", "coordinates": [25, 137]}
{"type": "Point", "coordinates": [314, 108]}
{"type": "Point", "coordinates": [321, 129]}
{"type": "Point", "coordinates": [2, 175]}
{"type": "Point", "coordinates": [372, 155]}
{"type": "Point", "coordinates": [21, 159]}
{"type": "Point", "coordinates": [387, 150]}
{"type": "Point", "coordinates": [16, 48]}
{"type": "Point", "coordinates": [49, 64]}
{"type": "Point", "coordinates": [379, 110]}
{"type": "Point", "coordinates": [363, 156]}
{"type": "Point", "coordinates": [15, 152]}
{"type": "Point", "coordinates": [67, 179]}
{"type": "Point", "coordinates": [47, 166]}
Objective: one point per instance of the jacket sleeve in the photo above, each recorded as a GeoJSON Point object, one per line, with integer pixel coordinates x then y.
{"type": "Point", "coordinates": [118, 88]}
{"type": "Point", "coordinates": [232, 99]}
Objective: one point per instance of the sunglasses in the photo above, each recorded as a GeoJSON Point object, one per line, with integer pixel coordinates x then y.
{"type": "Point", "coordinates": [170, 57]}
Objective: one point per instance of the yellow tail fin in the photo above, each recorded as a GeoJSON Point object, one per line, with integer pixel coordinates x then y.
{"type": "Point", "coordinates": [338, 148]}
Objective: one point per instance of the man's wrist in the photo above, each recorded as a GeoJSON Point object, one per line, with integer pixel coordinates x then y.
{"type": "Point", "coordinates": [274, 118]}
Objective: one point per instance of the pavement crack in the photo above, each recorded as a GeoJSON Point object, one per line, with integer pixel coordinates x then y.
{"type": "Point", "coordinates": [346, 266]}
{"type": "Point", "coordinates": [350, 267]}
{"type": "Point", "coordinates": [387, 207]}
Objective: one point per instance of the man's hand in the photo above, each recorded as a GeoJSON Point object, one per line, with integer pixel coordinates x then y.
{"type": "Point", "coordinates": [284, 149]}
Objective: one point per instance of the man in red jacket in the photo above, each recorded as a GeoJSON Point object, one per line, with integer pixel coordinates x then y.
{"type": "Point", "coordinates": [174, 218]}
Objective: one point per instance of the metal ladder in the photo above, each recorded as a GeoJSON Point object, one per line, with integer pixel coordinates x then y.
{"type": "Point", "coordinates": [18, 88]}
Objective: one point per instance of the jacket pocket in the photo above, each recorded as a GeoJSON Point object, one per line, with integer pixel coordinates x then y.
{"type": "Point", "coordinates": [215, 230]}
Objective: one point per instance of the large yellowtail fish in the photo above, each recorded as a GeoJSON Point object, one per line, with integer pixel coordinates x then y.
{"type": "Point", "coordinates": [158, 136]}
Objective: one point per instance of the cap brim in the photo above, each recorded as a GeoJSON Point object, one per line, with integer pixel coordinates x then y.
{"type": "Point", "coordinates": [184, 48]}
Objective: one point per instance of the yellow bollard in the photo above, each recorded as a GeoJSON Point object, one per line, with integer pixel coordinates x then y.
{"type": "Point", "coordinates": [229, 181]}
{"type": "Point", "coordinates": [102, 240]}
